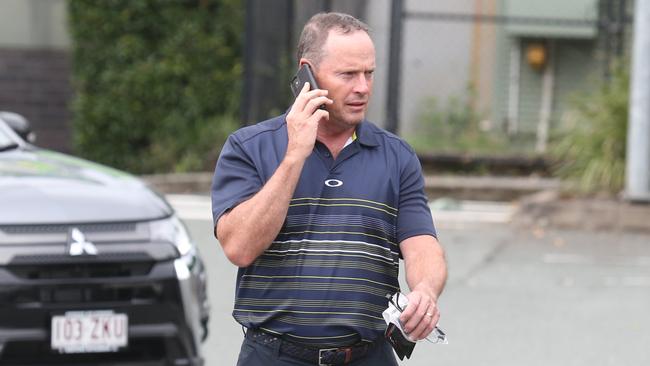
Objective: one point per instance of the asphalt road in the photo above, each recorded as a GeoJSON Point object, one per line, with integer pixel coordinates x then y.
{"type": "Point", "coordinates": [514, 296]}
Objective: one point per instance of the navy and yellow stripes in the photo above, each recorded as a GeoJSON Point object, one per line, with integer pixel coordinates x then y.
{"type": "Point", "coordinates": [344, 202]}
{"type": "Point", "coordinates": [325, 278]}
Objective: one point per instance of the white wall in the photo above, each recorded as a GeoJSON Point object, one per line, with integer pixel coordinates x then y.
{"type": "Point", "coordinates": [436, 57]}
{"type": "Point", "coordinates": [33, 24]}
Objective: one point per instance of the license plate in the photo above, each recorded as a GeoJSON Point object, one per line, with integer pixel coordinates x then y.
{"type": "Point", "coordinates": [89, 331]}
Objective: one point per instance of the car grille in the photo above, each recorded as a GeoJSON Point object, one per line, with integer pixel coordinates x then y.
{"type": "Point", "coordinates": [85, 294]}
{"type": "Point", "coordinates": [57, 279]}
{"type": "Point", "coordinates": [98, 233]}
{"type": "Point", "coordinates": [52, 229]}
{"type": "Point", "coordinates": [62, 266]}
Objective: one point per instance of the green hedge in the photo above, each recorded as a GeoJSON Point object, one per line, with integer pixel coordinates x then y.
{"type": "Point", "coordinates": [157, 82]}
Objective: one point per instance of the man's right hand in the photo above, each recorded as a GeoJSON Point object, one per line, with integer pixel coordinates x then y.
{"type": "Point", "coordinates": [249, 228]}
{"type": "Point", "coordinates": [303, 119]}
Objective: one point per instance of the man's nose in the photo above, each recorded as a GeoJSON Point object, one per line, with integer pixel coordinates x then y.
{"type": "Point", "coordinates": [361, 84]}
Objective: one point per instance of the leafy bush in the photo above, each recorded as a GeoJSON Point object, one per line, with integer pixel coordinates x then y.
{"type": "Point", "coordinates": [590, 151]}
{"type": "Point", "coordinates": [156, 81]}
{"type": "Point", "coordinates": [455, 127]}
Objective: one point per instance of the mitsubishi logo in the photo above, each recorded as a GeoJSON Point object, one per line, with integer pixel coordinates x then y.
{"type": "Point", "coordinates": [78, 245]}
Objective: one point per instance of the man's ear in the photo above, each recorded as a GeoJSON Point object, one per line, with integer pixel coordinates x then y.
{"type": "Point", "coordinates": [304, 61]}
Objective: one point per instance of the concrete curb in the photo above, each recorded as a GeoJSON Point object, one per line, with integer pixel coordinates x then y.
{"type": "Point", "coordinates": [539, 200]}
{"type": "Point", "coordinates": [549, 209]}
{"type": "Point", "coordinates": [487, 188]}
{"type": "Point", "coordinates": [198, 183]}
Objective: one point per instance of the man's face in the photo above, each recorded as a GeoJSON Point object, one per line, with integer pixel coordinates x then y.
{"type": "Point", "coordinates": [346, 72]}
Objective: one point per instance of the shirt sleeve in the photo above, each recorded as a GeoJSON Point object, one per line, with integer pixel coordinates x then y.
{"type": "Point", "coordinates": [414, 215]}
{"type": "Point", "coordinates": [235, 178]}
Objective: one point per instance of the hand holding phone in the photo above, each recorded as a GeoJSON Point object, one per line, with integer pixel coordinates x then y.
{"type": "Point", "coordinates": [304, 75]}
{"type": "Point", "coordinates": [305, 113]}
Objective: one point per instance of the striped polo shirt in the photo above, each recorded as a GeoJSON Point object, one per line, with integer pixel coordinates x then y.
{"type": "Point", "coordinates": [325, 277]}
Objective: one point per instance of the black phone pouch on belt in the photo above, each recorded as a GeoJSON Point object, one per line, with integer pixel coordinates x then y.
{"type": "Point", "coordinates": [402, 346]}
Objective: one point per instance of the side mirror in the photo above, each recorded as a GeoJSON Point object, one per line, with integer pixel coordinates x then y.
{"type": "Point", "coordinates": [20, 125]}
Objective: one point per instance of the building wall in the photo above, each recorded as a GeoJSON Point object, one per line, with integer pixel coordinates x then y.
{"type": "Point", "coordinates": [575, 62]}
{"type": "Point", "coordinates": [36, 84]}
{"type": "Point", "coordinates": [35, 67]}
{"type": "Point", "coordinates": [557, 9]}
{"type": "Point", "coordinates": [436, 59]}
{"type": "Point", "coordinates": [446, 58]}
{"type": "Point", "coordinates": [577, 70]}
{"type": "Point", "coordinates": [441, 59]}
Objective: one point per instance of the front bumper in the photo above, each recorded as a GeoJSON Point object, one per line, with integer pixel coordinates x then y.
{"type": "Point", "coordinates": [166, 311]}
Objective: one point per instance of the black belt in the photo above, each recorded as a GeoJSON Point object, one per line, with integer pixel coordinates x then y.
{"type": "Point", "coordinates": [312, 354]}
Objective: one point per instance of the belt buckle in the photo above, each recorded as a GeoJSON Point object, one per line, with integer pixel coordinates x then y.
{"type": "Point", "coordinates": [320, 355]}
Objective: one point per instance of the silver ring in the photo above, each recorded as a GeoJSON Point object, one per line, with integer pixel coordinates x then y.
{"type": "Point", "coordinates": [429, 315]}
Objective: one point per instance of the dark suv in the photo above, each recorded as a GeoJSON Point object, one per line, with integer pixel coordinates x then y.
{"type": "Point", "coordinates": [95, 268]}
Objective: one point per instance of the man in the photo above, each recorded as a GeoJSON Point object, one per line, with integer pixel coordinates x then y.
{"type": "Point", "coordinates": [316, 207]}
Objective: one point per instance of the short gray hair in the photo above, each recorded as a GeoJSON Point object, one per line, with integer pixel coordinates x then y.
{"type": "Point", "coordinates": [314, 33]}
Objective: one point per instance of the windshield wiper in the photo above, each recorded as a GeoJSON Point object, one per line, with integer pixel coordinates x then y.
{"type": "Point", "coordinates": [10, 146]}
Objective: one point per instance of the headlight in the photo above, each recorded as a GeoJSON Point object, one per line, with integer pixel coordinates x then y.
{"type": "Point", "coordinates": [173, 230]}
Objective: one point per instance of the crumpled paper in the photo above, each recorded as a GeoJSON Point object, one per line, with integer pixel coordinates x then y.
{"type": "Point", "coordinates": [392, 313]}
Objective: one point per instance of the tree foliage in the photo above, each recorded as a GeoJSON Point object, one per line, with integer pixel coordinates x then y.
{"type": "Point", "coordinates": [156, 81]}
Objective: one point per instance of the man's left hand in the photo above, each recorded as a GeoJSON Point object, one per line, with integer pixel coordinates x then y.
{"type": "Point", "coordinates": [421, 315]}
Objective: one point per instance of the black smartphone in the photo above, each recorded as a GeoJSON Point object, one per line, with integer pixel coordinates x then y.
{"type": "Point", "coordinates": [304, 75]}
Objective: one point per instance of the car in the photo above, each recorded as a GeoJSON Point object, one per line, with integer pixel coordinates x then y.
{"type": "Point", "coordinates": [95, 267]}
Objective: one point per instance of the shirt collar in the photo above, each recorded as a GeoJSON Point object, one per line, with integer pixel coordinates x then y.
{"type": "Point", "coordinates": [365, 135]}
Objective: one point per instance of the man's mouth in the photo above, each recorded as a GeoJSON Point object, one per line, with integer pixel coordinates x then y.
{"type": "Point", "coordinates": [357, 104]}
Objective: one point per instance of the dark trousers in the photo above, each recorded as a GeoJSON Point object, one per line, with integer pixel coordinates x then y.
{"type": "Point", "coordinates": [256, 354]}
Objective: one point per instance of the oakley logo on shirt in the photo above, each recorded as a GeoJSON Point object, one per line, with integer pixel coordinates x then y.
{"type": "Point", "coordinates": [333, 183]}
